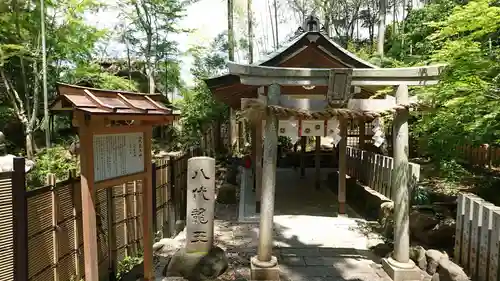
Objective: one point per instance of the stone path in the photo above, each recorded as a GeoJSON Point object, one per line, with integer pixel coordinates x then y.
{"type": "Point", "coordinates": [311, 242]}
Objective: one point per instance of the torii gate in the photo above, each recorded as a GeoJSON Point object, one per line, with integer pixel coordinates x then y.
{"type": "Point", "coordinates": [277, 80]}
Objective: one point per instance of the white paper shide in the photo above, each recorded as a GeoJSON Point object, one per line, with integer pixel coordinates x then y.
{"type": "Point", "coordinates": [378, 132]}
{"type": "Point", "coordinates": [333, 131]}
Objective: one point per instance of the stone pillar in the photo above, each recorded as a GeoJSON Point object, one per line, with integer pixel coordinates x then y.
{"type": "Point", "coordinates": [303, 144]}
{"type": "Point", "coordinates": [399, 267]}
{"type": "Point", "coordinates": [200, 204]}
{"type": "Point", "coordinates": [257, 159]}
{"type": "Point", "coordinates": [317, 162]}
{"type": "Point", "coordinates": [342, 146]}
{"type": "Point", "coordinates": [264, 266]}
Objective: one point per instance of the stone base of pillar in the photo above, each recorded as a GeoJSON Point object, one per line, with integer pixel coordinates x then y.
{"type": "Point", "coordinates": [401, 271]}
{"type": "Point", "coordinates": [262, 270]}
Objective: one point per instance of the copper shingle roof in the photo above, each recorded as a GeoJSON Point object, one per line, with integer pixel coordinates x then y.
{"type": "Point", "coordinates": [99, 101]}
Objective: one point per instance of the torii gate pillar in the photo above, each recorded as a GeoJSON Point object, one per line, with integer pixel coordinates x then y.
{"type": "Point", "coordinates": [264, 266]}
{"type": "Point", "coordinates": [400, 267]}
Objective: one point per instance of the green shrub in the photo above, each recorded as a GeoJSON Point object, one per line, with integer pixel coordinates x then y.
{"type": "Point", "coordinates": [56, 160]}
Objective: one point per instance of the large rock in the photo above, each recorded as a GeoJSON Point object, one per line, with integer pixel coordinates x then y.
{"type": "Point", "coordinates": [386, 218]}
{"type": "Point", "coordinates": [441, 235]}
{"type": "Point", "coordinates": [433, 259]}
{"type": "Point", "coordinates": [450, 271]}
{"type": "Point", "coordinates": [167, 247]}
{"type": "Point", "coordinates": [421, 221]}
{"type": "Point", "coordinates": [417, 254]}
{"type": "Point", "coordinates": [197, 266]}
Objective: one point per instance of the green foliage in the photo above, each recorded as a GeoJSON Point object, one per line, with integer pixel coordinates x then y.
{"type": "Point", "coordinates": [452, 171]}
{"type": "Point", "coordinates": [56, 160]}
{"type": "Point", "coordinates": [94, 76]}
{"type": "Point", "coordinates": [126, 265]}
{"type": "Point", "coordinates": [198, 106]}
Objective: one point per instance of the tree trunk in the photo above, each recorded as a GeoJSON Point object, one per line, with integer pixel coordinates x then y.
{"type": "Point", "coordinates": [276, 22]}
{"type": "Point", "coordinates": [230, 29]}
{"type": "Point", "coordinates": [381, 28]}
{"type": "Point", "coordinates": [250, 31]}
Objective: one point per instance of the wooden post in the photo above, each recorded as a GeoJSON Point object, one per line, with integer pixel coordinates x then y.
{"type": "Point", "coordinates": [147, 201]}
{"type": "Point", "coordinates": [342, 165]}
{"type": "Point", "coordinates": [303, 150]}
{"type": "Point", "coordinates": [125, 217]}
{"type": "Point", "coordinates": [153, 195]}
{"type": "Point", "coordinates": [257, 159]}
{"type": "Point", "coordinates": [317, 162]}
{"type": "Point", "coordinates": [269, 178]}
{"type": "Point", "coordinates": [111, 233]}
{"type": "Point", "coordinates": [88, 196]}
{"type": "Point", "coordinates": [51, 180]}
{"type": "Point", "coordinates": [20, 220]}
{"type": "Point", "coordinates": [362, 134]}
{"type": "Point", "coordinates": [76, 225]}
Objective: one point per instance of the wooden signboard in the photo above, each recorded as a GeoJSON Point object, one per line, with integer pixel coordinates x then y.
{"type": "Point", "coordinates": [117, 155]}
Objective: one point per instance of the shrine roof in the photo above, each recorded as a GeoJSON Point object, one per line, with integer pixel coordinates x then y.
{"type": "Point", "coordinates": [310, 48]}
{"type": "Point", "coordinates": [102, 102]}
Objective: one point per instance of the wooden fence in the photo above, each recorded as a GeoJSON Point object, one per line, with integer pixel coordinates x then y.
{"type": "Point", "coordinates": [376, 171]}
{"type": "Point", "coordinates": [483, 156]}
{"type": "Point", "coordinates": [43, 226]}
{"type": "Point", "coordinates": [477, 237]}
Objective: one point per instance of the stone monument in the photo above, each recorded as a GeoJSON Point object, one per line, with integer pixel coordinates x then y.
{"type": "Point", "coordinates": [200, 204]}
{"type": "Point", "coordinates": [199, 260]}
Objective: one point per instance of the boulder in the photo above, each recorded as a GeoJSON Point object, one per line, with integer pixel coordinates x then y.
{"type": "Point", "coordinates": [421, 221]}
{"type": "Point", "coordinates": [167, 247]}
{"type": "Point", "coordinates": [382, 249]}
{"type": "Point", "coordinates": [433, 258]}
{"type": "Point", "coordinates": [442, 234]}
{"type": "Point", "coordinates": [386, 218]}
{"type": "Point", "coordinates": [197, 266]}
{"type": "Point", "coordinates": [450, 271]}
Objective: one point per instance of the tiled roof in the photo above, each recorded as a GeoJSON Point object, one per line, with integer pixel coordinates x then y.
{"type": "Point", "coordinates": [99, 101]}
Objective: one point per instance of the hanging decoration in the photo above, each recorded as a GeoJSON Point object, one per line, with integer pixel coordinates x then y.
{"type": "Point", "coordinates": [333, 131]}
{"type": "Point", "coordinates": [289, 128]}
{"type": "Point", "coordinates": [378, 132]}
{"type": "Point", "coordinates": [313, 128]}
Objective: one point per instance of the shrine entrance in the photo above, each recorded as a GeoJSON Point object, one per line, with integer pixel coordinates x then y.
{"type": "Point", "coordinates": [305, 89]}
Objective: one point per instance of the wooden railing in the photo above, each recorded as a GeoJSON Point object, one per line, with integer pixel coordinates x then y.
{"type": "Point", "coordinates": [376, 171]}
{"type": "Point", "coordinates": [477, 237]}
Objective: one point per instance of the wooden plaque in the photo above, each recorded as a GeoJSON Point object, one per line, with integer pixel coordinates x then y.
{"type": "Point", "coordinates": [117, 155]}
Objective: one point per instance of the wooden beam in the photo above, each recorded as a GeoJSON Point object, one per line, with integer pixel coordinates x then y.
{"type": "Point", "coordinates": [342, 166]}
{"type": "Point", "coordinates": [317, 162]}
{"type": "Point", "coordinates": [156, 104]}
{"type": "Point", "coordinates": [129, 103]}
{"type": "Point", "coordinates": [88, 196]}
{"type": "Point", "coordinates": [303, 148]}
{"type": "Point", "coordinates": [97, 101]}
{"type": "Point", "coordinates": [147, 211]}
{"type": "Point", "coordinates": [257, 154]}
{"type": "Point", "coordinates": [263, 75]}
